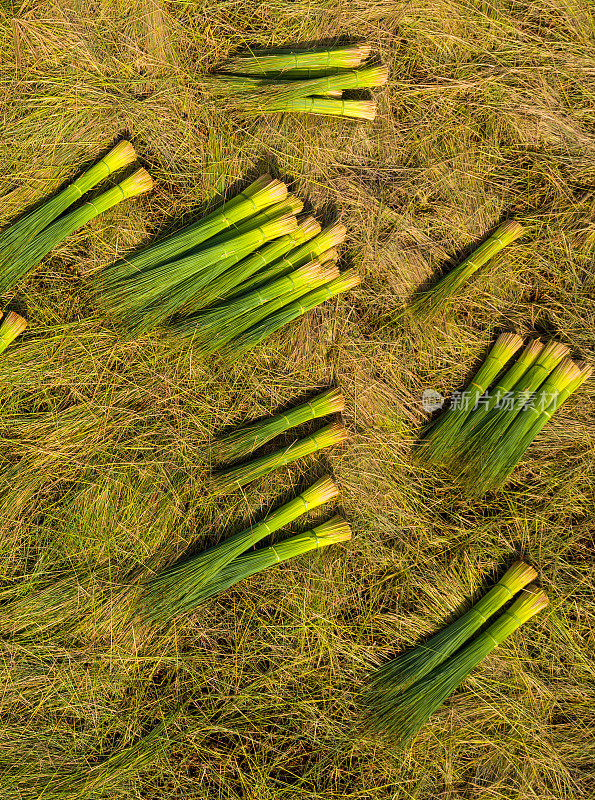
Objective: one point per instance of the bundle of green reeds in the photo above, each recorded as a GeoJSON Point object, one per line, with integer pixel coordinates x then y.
{"type": "Point", "coordinates": [29, 239]}
{"type": "Point", "coordinates": [185, 584]}
{"type": "Point", "coordinates": [300, 81]}
{"type": "Point", "coordinates": [489, 426]}
{"type": "Point", "coordinates": [11, 326]}
{"type": "Point", "coordinates": [230, 279]}
{"type": "Point", "coordinates": [245, 440]}
{"type": "Point", "coordinates": [236, 477]}
{"type": "Point", "coordinates": [405, 692]}
{"type": "Point", "coordinates": [427, 303]}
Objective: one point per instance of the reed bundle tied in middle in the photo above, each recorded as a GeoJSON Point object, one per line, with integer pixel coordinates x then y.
{"type": "Point", "coordinates": [229, 280]}
{"type": "Point", "coordinates": [489, 426]}
{"type": "Point", "coordinates": [307, 81]}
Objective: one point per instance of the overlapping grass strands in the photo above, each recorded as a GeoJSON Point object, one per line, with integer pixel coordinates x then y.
{"type": "Point", "coordinates": [343, 283]}
{"type": "Point", "coordinates": [300, 81]}
{"type": "Point", "coordinates": [428, 303]}
{"type": "Point", "coordinates": [15, 239]}
{"type": "Point", "coordinates": [296, 63]}
{"type": "Point", "coordinates": [32, 252]}
{"type": "Point", "coordinates": [331, 532]}
{"type": "Point", "coordinates": [245, 440]}
{"type": "Point", "coordinates": [177, 589]}
{"type": "Point", "coordinates": [439, 445]}
{"type": "Point", "coordinates": [261, 194]}
{"type": "Point", "coordinates": [494, 469]}
{"type": "Point", "coordinates": [398, 674]}
{"type": "Point", "coordinates": [400, 717]}
{"type": "Point", "coordinates": [12, 326]}
{"type": "Point", "coordinates": [236, 477]}
{"type": "Point", "coordinates": [148, 298]}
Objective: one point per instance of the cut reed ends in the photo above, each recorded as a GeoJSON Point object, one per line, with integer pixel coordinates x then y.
{"type": "Point", "coordinates": [178, 588]}
{"type": "Point", "coordinates": [427, 303]}
{"type": "Point", "coordinates": [331, 532]}
{"type": "Point", "coordinates": [11, 326]}
{"type": "Point", "coordinates": [245, 440]}
{"type": "Point", "coordinates": [236, 477]}
{"type": "Point", "coordinates": [483, 435]}
{"type": "Point", "coordinates": [400, 717]}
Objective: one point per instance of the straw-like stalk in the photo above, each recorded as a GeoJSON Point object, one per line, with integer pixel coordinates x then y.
{"type": "Point", "coordinates": [428, 303]}
{"type": "Point", "coordinates": [292, 205]}
{"type": "Point", "coordinates": [151, 296]}
{"type": "Point", "coordinates": [38, 247]}
{"type": "Point", "coordinates": [327, 106]}
{"type": "Point", "coordinates": [298, 63]}
{"type": "Point", "coordinates": [236, 477]}
{"type": "Point", "coordinates": [12, 326]}
{"type": "Point", "coordinates": [261, 194]}
{"type": "Point", "coordinates": [487, 436]}
{"type": "Point", "coordinates": [401, 717]}
{"type": "Point", "coordinates": [186, 327]}
{"type": "Point", "coordinates": [494, 470]}
{"type": "Point", "coordinates": [441, 439]}
{"type": "Point", "coordinates": [244, 441]}
{"type": "Point", "coordinates": [177, 589]}
{"type": "Point", "coordinates": [346, 281]}
{"type": "Point", "coordinates": [331, 532]}
{"type": "Point", "coordinates": [21, 232]}
{"type": "Point", "coordinates": [397, 675]}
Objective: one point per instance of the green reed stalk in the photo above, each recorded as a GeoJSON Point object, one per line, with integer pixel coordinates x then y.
{"type": "Point", "coordinates": [439, 445]}
{"type": "Point", "coordinates": [187, 328]}
{"type": "Point", "coordinates": [331, 532]}
{"type": "Point", "coordinates": [177, 589]}
{"type": "Point", "coordinates": [298, 63]}
{"type": "Point", "coordinates": [428, 303]}
{"type": "Point", "coordinates": [401, 717]}
{"type": "Point", "coordinates": [35, 249]}
{"type": "Point", "coordinates": [346, 281]}
{"type": "Point", "coordinates": [245, 440]}
{"type": "Point", "coordinates": [238, 476]}
{"type": "Point", "coordinates": [261, 194]}
{"type": "Point", "coordinates": [330, 107]}
{"type": "Point", "coordinates": [12, 326]}
{"type": "Point", "coordinates": [15, 238]}
{"type": "Point", "coordinates": [397, 675]}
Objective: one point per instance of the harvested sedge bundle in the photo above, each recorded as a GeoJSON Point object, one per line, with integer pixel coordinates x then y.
{"type": "Point", "coordinates": [20, 233]}
{"type": "Point", "coordinates": [12, 326]}
{"type": "Point", "coordinates": [177, 589]}
{"type": "Point", "coordinates": [488, 434]}
{"type": "Point", "coordinates": [151, 296]}
{"type": "Point", "coordinates": [32, 252]}
{"type": "Point", "coordinates": [441, 439]}
{"type": "Point", "coordinates": [261, 194]}
{"type": "Point", "coordinates": [239, 476]}
{"type": "Point", "coordinates": [427, 303]}
{"type": "Point", "coordinates": [246, 440]}
{"type": "Point", "coordinates": [493, 472]}
{"type": "Point", "coordinates": [346, 281]}
{"type": "Point", "coordinates": [401, 717]}
{"type": "Point", "coordinates": [397, 675]}
{"type": "Point", "coordinates": [298, 63]}
{"type": "Point", "coordinates": [331, 532]}
{"type": "Point", "coordinates": [329, 107]}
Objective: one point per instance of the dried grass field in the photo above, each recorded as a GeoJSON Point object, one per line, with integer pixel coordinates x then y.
{"type": "Point", "coordinates": [105, 440]}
